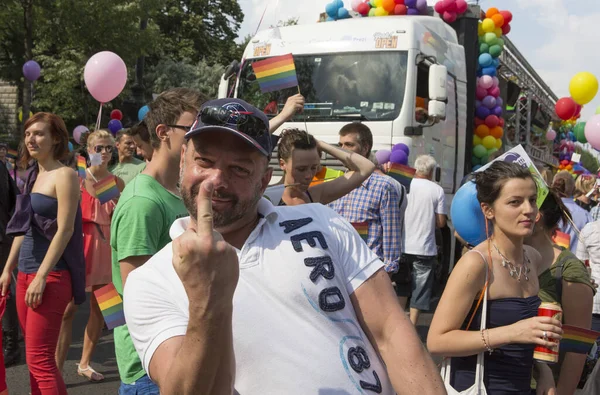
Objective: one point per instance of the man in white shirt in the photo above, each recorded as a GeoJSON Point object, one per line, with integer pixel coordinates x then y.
{"type": "Point", "coordinates": [426, 210]}
{"type": "Point", "coordinates": [297, 294]}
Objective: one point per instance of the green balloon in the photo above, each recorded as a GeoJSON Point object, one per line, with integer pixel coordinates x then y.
{"type": "Point", "coordinates": [475, 161]}
{"type": "Point", "coordinates": [495, 51]}
{"type": "Point", "coordinates": [484, 48]}
{"type": "Point", "coordinates": [491, 151]}
{"type": "Point", "coordinates": [580, 132]}
{"type": "Point", "coordinates": [490, 39]}
{"type": "Point", "coordinates": [485, 159]}
{"type": "Point", "coordinates": [500, 42]}
{"type": "Point", "coordinates": [598, 110]}
{"type": "Point", "coordinates": [479, 151]}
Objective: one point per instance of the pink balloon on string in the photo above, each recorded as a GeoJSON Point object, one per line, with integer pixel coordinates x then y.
{"type": "Point", "coordinates": [105, 76]}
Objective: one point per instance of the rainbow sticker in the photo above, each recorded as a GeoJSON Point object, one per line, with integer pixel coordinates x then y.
{"type": "Point", "coordinates": [363, 229]}
{"type": "Point", "coordinates": [111, 306]}
{"type": "Point", "coordinates": [577, 340]}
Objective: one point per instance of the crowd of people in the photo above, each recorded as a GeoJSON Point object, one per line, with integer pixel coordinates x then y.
{"type": "Point", "coordinates": [231, 285]}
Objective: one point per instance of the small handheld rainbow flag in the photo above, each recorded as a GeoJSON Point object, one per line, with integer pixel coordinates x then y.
{"type": "Point", "coordinates": [11, 153]}
{"type": "Point", "coordinates": [276, 73]}
{"type": "Point", "coordinates": [577, 340]}
{"type": "Point", "coordinates": [403, 174]}
{"type": "Point", "coordinates": [106, 189]}
{"type": "Point", "coordinates": [111, 306]}
{"type": "Point", "coordinates": [562, 239]}
{"type": "Point", "coordinates": [81, 166]}
{"type": "Point", "coordinates": [363, 229]}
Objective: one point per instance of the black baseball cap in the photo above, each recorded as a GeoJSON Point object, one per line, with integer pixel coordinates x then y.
{"type": "Point", "coordinates": [237, 117]}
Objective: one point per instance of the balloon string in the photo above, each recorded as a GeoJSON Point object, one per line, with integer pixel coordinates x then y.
{"type": "Point", "coordinates": [99, 118]}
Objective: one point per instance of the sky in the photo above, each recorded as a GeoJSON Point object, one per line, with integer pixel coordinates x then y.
{"type": "Point", "coordinates": [559, 38]}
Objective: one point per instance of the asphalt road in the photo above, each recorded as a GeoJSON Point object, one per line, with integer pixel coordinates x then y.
{"type": "Point", "coordinates": [103, 361]}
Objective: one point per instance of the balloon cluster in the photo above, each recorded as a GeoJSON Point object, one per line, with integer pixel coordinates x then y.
{"type": "Point", "coordinates": [566, 150]}
{"type": "Point", "coordinates": [399, 154]}
{"type": "Point", "coordinates": [489, 124]}
{"type": "Point", "coordinates": [114, 125]}
{"type": "Point", "coordinates": [450, 9]}
{"type": "Point", "coordinates": [390, 7]}
{"type": "Point", "coordinates": [335, 10]}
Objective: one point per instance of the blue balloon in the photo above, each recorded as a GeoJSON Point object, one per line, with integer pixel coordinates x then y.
{"type": "Point", "coordinates": [332, 9]}
{"type": "Point", "coordinates": [114, 125]}
{"type": "Point", "coordinates": [70, 146]}
{"type": "Point", "coordinates": [485, 60]}
{"type": "Point", "coordinates": [482, 112]}
{"type": "Point", "coordinates": [491, 71]}
{"type": "Point", "coordinates": [142, 113]}
{"type": "Point", "coordinates": [329, 19]}
{"type": "Point", "coordinates": [497, 62]}
{"type": "Point", "coordinates": [466, 214]}
{"type": "Point", "coordinates": [343, 13]}
{"type": "Point", "coordinates": [339, 3]}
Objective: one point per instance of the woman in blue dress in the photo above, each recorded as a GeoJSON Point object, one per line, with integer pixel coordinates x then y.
{"type": "Point", "coordinates": [507, 194]}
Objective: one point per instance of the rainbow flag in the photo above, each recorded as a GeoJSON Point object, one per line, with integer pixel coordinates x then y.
{"type": "Point", "coordinates": [106, 189]}
{"type": "Point", "coordinates": [403, 174]}
{"type": "Point", "coordinates": [81, 166]}
{"type": "Point", "coordinates": [577, 340]}
{"type": "Point", "coordinates": [562, 239]}
{"type": "Point", "coordinates": [276, 73]}
{"type": "Point", "coordinates": [11, 153]}
{"type": "Point", "coordinates": [363, 229]}
{"type": "Point", "coordinates": [111, 306]}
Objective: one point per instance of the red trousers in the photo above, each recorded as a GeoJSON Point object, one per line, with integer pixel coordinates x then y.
{"type": "Point", "coordinates": [41, 327]}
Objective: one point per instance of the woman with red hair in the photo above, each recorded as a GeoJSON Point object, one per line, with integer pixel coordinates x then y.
{"type": "Point", "coordinates": [48, 249]}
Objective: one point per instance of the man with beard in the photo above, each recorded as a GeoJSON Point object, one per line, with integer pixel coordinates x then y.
{"type": "Point", "coordinates": [297, 294]}
{"type": "Point", "coordinates": [147, 207]}
{"type": "Point", "coordinates": [128, 166]}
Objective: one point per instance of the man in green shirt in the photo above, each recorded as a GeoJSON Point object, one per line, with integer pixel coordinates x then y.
{"type": "Point", "coordinates": [147, 207]}
{"type": "Point", "coordinates": [128, 166]}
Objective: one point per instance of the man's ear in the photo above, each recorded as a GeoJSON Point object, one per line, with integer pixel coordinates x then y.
{"type": "Point", "coordinates": [266, 178]}
{"type": "Point", "coordinates": [162, 132]}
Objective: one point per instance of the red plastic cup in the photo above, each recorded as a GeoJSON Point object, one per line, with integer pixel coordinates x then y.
{"type": "Point", "coordinates": [544, 354]}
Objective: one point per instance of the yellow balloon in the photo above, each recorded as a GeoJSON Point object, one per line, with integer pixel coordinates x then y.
{"type": "Point", "coordinates": [488, 25]}
{"type": "Point", "coordinates": [476, 140]}
{"type": "Point", "coordinates": [498, 143]}
{"type": "Point", "coordinates": [583, 87]}
{"type": "Point", "coordinates": [498, 32]}
{"type": "Point", "coordinates": [21, 115]}
{"type": "Point", "coordinates": [488, 142]}
{"type": "Point", "coordinates": [380, 11]}
{"type": "Point", "coordinates": [480, 31]}
{"type": "Point", "coordinates": [378, 3]}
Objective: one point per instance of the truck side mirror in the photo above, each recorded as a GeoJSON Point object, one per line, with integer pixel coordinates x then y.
{"type": "Point", "coordinates": [436, 110]}
{"type": "Point", "coordinates": [438, 75]}
{"type": "Point", "coordinates": [232, 69]}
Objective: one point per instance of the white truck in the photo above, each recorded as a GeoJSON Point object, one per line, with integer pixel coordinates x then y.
{"type": "Point", "coordinates": [377, 71]}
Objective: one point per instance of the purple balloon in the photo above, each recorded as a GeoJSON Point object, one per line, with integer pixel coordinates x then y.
{"type": "Point", "coordinates": [482, 112]}
{"type": "Point", "coordinates": [383, 156]}
{"type": "Point", "coordinates": [497, 111]}
{"type": "Point", "coordinates": [489, 102]}
{"type": "Point", "coordinates": [114, 126]}
{"type": "Point", "coordinates": [410, 3]}
{"type": "Point", "coordinates": [78, 131]}
{"type": "Point", "coordinates": [477, 103]}
{"type": "Point", "coordinates": [399, 156]}
{"type": "Point", "coordinates": [499, 101]}
{"type": "Point", "coordinates": [31, 70]}
{"type": "Point", "coordinates": [421, 6]}
{"type": "Point", "coordinates": [401, 146]}
{"type": "Point", "coordinates": [412, 11]}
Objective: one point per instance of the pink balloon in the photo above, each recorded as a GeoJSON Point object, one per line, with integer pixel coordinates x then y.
{"type": "Point", "coordinates": [355, 4]}
{"type": "Point", "coordinates": [485, 81]}
{"type": "Point", "coordinates": [550, 135]}
{"type": "Point", "coordinates": [449, 5]}
{"type": "Point", "coordinates": [105, 76]}
{"type": "Point", "coordinates": [592, 131]}
{"type": "Point", "coordinates": [461, 6]}
{"type": "Point", "coordinates": [480, 93]}
{"type": "Point", "coordinates": [439, 7]}
{"type": "Point", "coordinates": [496, 81]}
{"type": "Point", "coordinates": [494, 91]}
{"type": "Point", "coordinates": [449, 17]}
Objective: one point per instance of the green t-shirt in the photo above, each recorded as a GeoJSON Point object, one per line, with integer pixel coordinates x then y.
{"type": "Point", "coordinates": [128, 171]}
{"type": "Point", "coordinates": [140, 226]}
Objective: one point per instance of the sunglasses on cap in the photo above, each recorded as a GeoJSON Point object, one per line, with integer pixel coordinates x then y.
{"type": "Point", "coordinates": [99, 148]}
{"type": "Point", "coordinates": [244, 122]}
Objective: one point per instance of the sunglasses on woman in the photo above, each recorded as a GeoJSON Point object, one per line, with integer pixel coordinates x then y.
{"type": "Point", "coordinates": [99, 148]}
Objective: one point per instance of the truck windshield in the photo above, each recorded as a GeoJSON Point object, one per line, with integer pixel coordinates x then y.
{"type": "Point", "coordinates": [337, 87]}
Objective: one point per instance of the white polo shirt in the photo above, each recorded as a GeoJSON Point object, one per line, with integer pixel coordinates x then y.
{"type": "Point", "coordinates": [295, 330]}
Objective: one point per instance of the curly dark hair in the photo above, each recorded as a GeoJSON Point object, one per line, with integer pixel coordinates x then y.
{"type": "Point", "coordinates": [292, 139]}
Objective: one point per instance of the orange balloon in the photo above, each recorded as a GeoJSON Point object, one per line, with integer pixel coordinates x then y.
{"type": "Point", "coordinates": [482, 131]}
{"type": "Point", "coordinates": [491, 12]}
{"type": "Point", "coordinates": [388, 5]}
{"type": "Point", "coordinates": [569, 167]}
{"type": "Point", "coordinates": [497, 132]}
{"type": "Point", "coordinates": [498, 20]}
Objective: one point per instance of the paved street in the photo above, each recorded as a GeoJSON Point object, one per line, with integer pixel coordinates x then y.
{"type": "Point", "coordinates": [103, 361]}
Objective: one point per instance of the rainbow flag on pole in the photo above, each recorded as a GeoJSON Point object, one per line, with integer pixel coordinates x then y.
{"type": "Point", "coordinates": [111, 306]}
{"type": "Point", "coordinates": [562, 239]}
{"type": "Point", "coordinates": [106, 189]}
{"type": "Point", "coordinates": [577, 340]}
{"type": "Point", "coordinates": [81, 166]}
{"type": "Point", "coordinates": [276, 73]}
{"type": "Point", "coordinates": [363, 229]}
{"type": "Point", "coordinates": [11, 153]}
{"type": "Point", "coordinates": [403, 174]}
